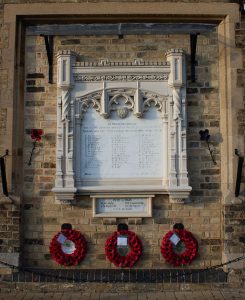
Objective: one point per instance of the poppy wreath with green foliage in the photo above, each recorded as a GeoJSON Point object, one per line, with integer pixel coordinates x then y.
{"type": "Point", "coordinates": [190, 245]}
{"type": "Point", "coordinates": [64, 259]}
{"type": "Point", "coordinates": [129, 260]}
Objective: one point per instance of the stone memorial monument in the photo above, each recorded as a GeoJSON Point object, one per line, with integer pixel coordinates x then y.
{"type": "Point", "coordinates": [121, 131]}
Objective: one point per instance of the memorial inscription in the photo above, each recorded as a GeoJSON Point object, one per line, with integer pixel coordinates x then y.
{"type": "Point", "coordinates": [122, 206]}
{"type": "Point", "coordinates": [121, 148]}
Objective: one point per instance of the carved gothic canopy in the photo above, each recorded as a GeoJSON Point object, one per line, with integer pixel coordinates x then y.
{"type": "Point", "coordinates": [121, 128]}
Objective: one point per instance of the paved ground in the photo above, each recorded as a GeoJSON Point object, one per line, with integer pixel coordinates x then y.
{"type": "Point", "coordinates": [227, 294]}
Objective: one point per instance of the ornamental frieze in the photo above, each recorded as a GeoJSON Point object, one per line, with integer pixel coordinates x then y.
{"type": "Point", "coordinates": [129, 77]}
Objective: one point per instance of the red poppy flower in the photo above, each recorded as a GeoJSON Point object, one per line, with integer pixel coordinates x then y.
{"type": "Point", "coordinates": [36, 134]}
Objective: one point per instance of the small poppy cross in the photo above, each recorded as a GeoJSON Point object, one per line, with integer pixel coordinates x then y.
{"type": "Point", "coordinates": [205, 136]}
{"type": "Point", "coordinates": [36, 135]}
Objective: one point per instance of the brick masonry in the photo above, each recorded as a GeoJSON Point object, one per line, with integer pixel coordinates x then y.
{"type": "Point", "coordinates": [41, 217]}
{"type": "Point", "coordinates": [9, 214]}
{"type": "Point", "coordinates": [234, 229]}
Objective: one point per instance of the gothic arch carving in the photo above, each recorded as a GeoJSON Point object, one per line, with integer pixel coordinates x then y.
{"type": "Point", "coordinates": [90, 100]}
{"type": "Point", "coordinates": [110, 98]}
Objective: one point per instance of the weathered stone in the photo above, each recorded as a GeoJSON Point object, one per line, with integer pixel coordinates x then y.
{"type": "Point", "coordinates": [210, 172]}
{"type": "Point", "coordinates": [208, 90]}
{"type": "Point", "coordinates": [33, 241]}
{"type": "Point", "coordinates": [35, 75]}
{"type": "Point", "coordinates": [210, 185]}
{"type": "Point", "coordinates": [70, 42]}
{"type": "Point", "coordinates": [35, 89]}
{"type": "Point", "coordinates": [192, 90]}
{"type": "Point", "coordinates": [48, 165]}
{"type": "Point", "coordinates": [30, 82]}
{"type": "Point", "coordinates": [34, 103]}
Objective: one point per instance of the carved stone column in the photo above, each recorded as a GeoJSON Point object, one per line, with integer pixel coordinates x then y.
{"type": "Point", "coordinates": [165, 140]}
{"type": "Point", "coordinates": [64, 183]}
{"type": "Point", "coordinates": [178, 181]}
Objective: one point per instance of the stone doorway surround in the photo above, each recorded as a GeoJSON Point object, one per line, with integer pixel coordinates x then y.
{"type": "Point", "coordinates": [230, 59]}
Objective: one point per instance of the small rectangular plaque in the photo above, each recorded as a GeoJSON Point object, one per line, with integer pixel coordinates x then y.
{"type": "Point", "coordinates": [122, 241]}
{"type": "Point", "coordinates": [122, 206]}
{"type": "Point", "coordinates": [174, 239]}
{"type": "Point", "coordinates": [61, 238]}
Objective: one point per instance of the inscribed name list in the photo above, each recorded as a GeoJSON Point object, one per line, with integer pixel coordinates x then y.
{"type": "Point", "coordinates": [121, 148]}
{"type": "Point", "coordinates": [121, 205]}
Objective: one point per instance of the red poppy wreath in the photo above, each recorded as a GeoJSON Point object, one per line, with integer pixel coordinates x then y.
{"type": "Point", "coordinates": [179, 247]}
{"type": "Point", "coordinates": [133, 255]}
{"type": "Point", "coordinates": [68, 247]}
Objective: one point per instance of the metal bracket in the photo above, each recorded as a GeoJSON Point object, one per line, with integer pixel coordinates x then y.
{"type": "Point", "coordinates": [193, 41]}
{"type": "Point", "coordinates": [49, 42]}
{"type": "Point", "coordinates": [239, 172]}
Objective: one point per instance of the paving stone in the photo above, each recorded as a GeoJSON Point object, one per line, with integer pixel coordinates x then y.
{"type": "Point", "coordinates": [20, 296]}
{"type": "Point", "coordinates": [170, 295]}
{"type": "Point", "coordinates": [29, 296]}
{"type": "Point", "coordinates": [8, 297]}
{"type": "Point", "coordinates": [180, 296]}
{"type": "Point", "coordinates": [141, 296]}
{"type": "Point", "coordinates": [95, 296]}
{"type": "Point", "coordinates": [113, 296]}
{"type": "Point", "coordinates": [198, 294]}
{"type": "Point", "coordinates": [207, 295]}
{"type": "Point", "coordinates": [217, 295]}
{"type": "Point", "coordinates": [128, 296]}
{"type": "Point", "coordinates": [189, 295]}
{"type": "Point", "coordinates": [66, 296]}
{"type": "Point", "coordinates": [104, 296]}
{"type": "Point", "coordinates": [57, 296]}
{"type": "Point", "coordinates": [85, 297]}
{"type": "Point", "coordinates": [228, 294]}
{"type": "Point", "coordinates": [133, 296]}
{"type": "Point", "coordinates": [152, 296]}
{"type": "Point", "coordinates": [122, 296]}
{"type": "Point", "coordinates": [38, 296]}
{"type": "Point", "coordinates": [75, 296]}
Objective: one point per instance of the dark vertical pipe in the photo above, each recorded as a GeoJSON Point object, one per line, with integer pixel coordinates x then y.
{"type": "Point", "coordinates": [239, 175]}
{"type": "Point", "coordinates": [193, 41]}
{"type": "Point", "coordinates": [3, 175]}
{"type": "Point", "coordinates": [49, 41]}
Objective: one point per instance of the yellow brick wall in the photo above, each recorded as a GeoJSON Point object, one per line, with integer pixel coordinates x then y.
{"type": "Point", "coordinates": [42, 217]}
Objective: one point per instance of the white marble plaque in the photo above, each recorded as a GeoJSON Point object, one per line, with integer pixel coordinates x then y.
{"type": "Point", "coordinates": [121, 148]}
{"type": "Point", "coordinates": [121, 128]}
{"type": "Point", "coordinates": [124, 206]}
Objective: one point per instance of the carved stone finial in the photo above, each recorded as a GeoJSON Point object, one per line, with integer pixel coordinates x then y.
{"type": "Point", "coordinates": [174, 50]}
{"type": "Point", "coordinates": [66, 59]}
{"type": "Point", "coordinates": [176, 59]}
